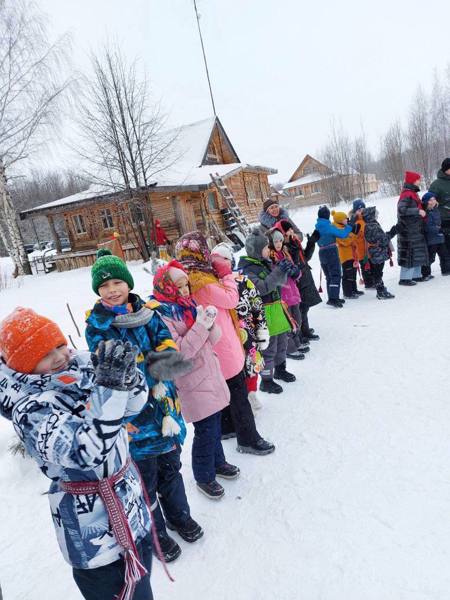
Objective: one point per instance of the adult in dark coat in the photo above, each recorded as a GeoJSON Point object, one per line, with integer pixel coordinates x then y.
{"type": "Point", "coordinates": [308, 291]}
{"type": "Point", "coordinates": [272, 213]}
{"type": "Point", "coordinates": [412, 245]}
{"type": "Point", "coordinates": [434, 236]}
{"type": "Point", "coordinates": [440, 188]}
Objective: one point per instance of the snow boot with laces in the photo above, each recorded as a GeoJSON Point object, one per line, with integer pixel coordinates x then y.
{"type": "Point", "coordinates": [383, 294]}
{"type": "Point", "coordinates": [189, 531]}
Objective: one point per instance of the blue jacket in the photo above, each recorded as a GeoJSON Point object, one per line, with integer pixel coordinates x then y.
{"type": "Point", "coordinates": [433, 231]}
{"type": "Point", "coordinates": [329, 232]}
{"type": "Point", "coordinates": [75, 431]}
{"type": "Point", "coordinates": [145, 434]}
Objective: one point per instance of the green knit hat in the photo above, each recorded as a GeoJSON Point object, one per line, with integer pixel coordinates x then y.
{"type": "Point", "coordinates": [107, 266]}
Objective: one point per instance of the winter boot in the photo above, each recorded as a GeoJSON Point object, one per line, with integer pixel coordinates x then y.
{"type": "Point", "coordinates": [228, 436]}
{"type": "Point", "coordinates": [425, 278]}
{"type": "Point", "coordinates": [261, 448]}
{"type": "Point", "coordinates": [296, 355]}
{"type": "Point", "coordinates": [227, 471]}
{"type": "Point", "coordinates": [359, 292]}
{"type": "Point", "coordinates": [353, 296]}
{"type": "Point", "coordinates": [281, 373]}
{"type": "Point", "coordinates": [383, 294]}
{"type": "Point", "coordinates": [303, 347]}
{"type": "Point", "coordinates": [270, 387]}
{"type": "Point", "coordinates": [335, 303]}
{"type": "Point", "coordinates": [169, 548]}
{"type": "Point", "coordinates": [310, 335]}
{"type": "Point", "coordinates": [408, 282]}
{"type": "Point", "coordinates": [255, 402]}
{"type": "Point", "coordinates": [189, 531]}
{"type": "Point", "coordinates": [212, 489]}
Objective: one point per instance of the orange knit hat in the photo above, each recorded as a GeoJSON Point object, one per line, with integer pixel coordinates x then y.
{"type": "Point", "coordinates": [26, 337]}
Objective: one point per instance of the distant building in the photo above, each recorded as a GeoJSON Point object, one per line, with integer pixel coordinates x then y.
{"type": "Point", "coordinates": [183, 198]}
{"type": "Point", "coordinates": [315, 183]}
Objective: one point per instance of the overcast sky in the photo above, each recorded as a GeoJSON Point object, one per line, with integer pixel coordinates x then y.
{"type": "Point", "coordinates": [280, 69]}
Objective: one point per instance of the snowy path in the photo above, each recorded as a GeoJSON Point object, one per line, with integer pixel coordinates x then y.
{"type": "Point", "coordinates": [353, 505]}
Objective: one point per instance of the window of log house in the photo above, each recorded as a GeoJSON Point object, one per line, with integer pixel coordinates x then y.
{"type": "Point", "coordinates": [212, 155]}
{"type": "Point", "coordinates": [107, 219]}
{"type": "Point", "coordinates": [252, 192]}
{"type": "Point", "coordinates": [212, 201]}
{"type": "Point", "coordinates": [137, 216]}
{"type": "Point", "coordinates": [79, 224]}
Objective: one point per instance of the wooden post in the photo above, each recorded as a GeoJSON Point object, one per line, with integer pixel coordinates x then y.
{"type": "Point", "coordinates": [54, 233]}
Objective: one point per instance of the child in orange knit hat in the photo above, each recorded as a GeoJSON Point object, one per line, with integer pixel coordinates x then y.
{"type": "Point", "coordinates": [69, 410]}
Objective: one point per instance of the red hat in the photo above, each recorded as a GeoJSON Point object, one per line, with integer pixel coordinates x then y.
{"type": "Point", "coordinates": [26, 337]}
{"type": "Point", "coordinates": [411, 177]}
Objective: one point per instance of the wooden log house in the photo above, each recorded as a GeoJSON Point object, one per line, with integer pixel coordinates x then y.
{"type": "Point", "coordinates": [183, 198]}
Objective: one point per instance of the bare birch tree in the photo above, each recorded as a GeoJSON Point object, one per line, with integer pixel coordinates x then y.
{"type": "Point", "coordinates": [31, 88]}
{"type": "Point", "coordinates": [419, 136]}
{"type": "Point", "coordinates": [392, 160]}
{"type": "Point", "coordinates": [124, 143]}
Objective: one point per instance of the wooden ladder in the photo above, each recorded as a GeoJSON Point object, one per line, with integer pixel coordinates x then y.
{"type": "Point", "coordinates": [228, 198]}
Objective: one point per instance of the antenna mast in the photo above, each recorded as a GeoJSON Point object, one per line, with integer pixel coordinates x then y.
{"type": "Point", "coordinates": [204, 57]}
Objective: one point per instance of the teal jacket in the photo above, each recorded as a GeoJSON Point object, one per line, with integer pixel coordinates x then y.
{"type": "Point", "coordinates": [144, 430]}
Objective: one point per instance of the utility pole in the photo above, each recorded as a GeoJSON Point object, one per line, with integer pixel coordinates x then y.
{"type": "Point", "coordinates": [204, 57]}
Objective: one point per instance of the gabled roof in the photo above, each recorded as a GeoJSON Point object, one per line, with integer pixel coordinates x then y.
{"type": "Point", "coordinates": [189, 171]}
{"type": "Point", "coordinates": [298, 171]}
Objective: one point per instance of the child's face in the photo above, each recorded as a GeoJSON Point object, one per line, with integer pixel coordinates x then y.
{"type": "Point", "coordinates": [278, 244]}
{"type": "Point", "coordinates": [114, 292]}
{"type": "Point", "coordinates": [182, 285]}
{"type": "Point", "coordinates": [344, 222]}
{"type": "Point", "coordinates": [53, 362]}
{"type": "Point", "coordinates": [274, 210]}
{"type": "Point", "coordinates": [432, 203]}
{"type": "Point", "coordinates": [265, 252]}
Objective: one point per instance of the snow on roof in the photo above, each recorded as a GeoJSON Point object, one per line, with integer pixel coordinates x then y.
{"type": "Point", "coordinates": [93, 191]}
{"type": "Point", "coordinates": [310, 178]}
{"type": "Point", "coordinates": [189, 148]}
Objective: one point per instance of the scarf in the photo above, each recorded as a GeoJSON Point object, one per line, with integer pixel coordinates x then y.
{"type": "Point", "coordinates": [193, 253]}
{"type": "Point", "coordinates": [172, 305]}
{"type": "Point", "coordinates": [121, 309]}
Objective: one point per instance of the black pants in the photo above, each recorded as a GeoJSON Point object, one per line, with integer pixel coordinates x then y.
{"type": "Point", "coordinates": [295, 339]}
{"type": "Point", "coordinates": [238, 416]}
{"type": "Point", "coordinates": [377, 275]}
{"type": "Point", "coordinates": [444, 259]}
{"type": "Point", "coordinates": [105, 583]}
{"type": "Point", "coordinates": [304, 308]}
{"type": "Point", "coordinates": [207, 451]}
{"type": "Point", "coordinates": [165, 489]}
{"type": "Point", "coordinates": [331, 266]}
{"type": "Point", "coordinates": [366, 274]}
{"type": "Point", "coordinates": [349, 273]}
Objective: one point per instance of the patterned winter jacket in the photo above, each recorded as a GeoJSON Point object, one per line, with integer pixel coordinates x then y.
{"type": "Point", "coordinates": [377, 241]}
{"type": "Point", "coordinates": [146, 438]}
{"type": "Point", "coordinates": [254, 325]}
{"type": "Point", "coordinates": [75, 431]}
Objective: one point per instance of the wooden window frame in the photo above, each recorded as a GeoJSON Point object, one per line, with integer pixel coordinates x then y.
{"type": "Point", "coordinates": [106, 217]}
{"type": "Point", "coordinates": [79, 225]}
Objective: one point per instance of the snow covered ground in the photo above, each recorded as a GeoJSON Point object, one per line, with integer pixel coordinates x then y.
{"type": "Point", "coordinates": [354, 503]}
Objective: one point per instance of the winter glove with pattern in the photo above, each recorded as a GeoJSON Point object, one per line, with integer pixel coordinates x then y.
{"type": "Point", "coordinates": [115, 365]}
{"type": "Point", "coordinates": [206, 317]}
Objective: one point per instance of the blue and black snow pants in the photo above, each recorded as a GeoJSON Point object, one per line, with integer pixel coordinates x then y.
{"type": "Point", "coordinates": [331, 266]}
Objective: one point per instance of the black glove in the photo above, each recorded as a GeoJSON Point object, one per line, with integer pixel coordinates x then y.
{"type": "Point", "coordinates": [285, 265]}
{"type": "Point", "coordinates": [356, 227]}
{"type": "Point", "coordinates": [115, 365]}
{"type": "Point", "coordinates": [166, 366]}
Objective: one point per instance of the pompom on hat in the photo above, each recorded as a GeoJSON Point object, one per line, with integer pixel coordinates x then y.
{"type": "Point", "coordinates": [338, 217]}
{"type": "Point", "coordinates": [26, 338]}
{"type": "Point", "coordinates": [106, 267]}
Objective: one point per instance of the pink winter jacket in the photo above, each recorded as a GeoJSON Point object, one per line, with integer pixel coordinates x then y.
{"type": "Point", "coordinates": [203, 391]}
{"type": "Point", "coordinates": [229, 348]}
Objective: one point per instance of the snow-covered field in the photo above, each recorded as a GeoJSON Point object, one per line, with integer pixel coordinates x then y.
{"type": "Point", "coordinates": [353, 505]}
